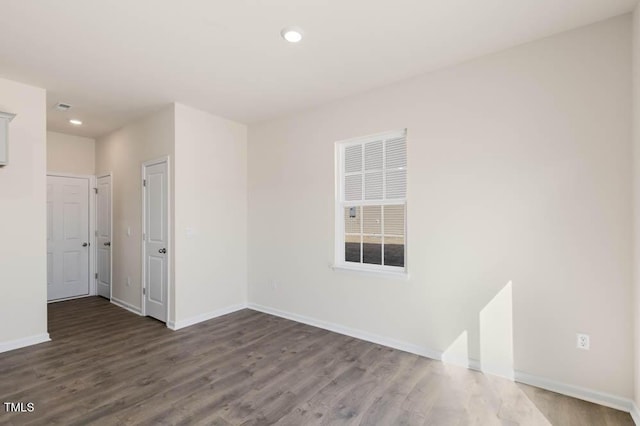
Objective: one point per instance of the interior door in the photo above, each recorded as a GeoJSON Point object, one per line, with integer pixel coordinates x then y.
{"type": "Point", "coordinates": [103, 236]}
{"type": "Point", "coordinates": [156, 239]}
{"type": "Point", "coordinates": [67, 237]}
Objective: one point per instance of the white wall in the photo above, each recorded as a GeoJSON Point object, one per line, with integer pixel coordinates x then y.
{"type": "Point", "coordinates": [70, 154]}
{"type": "Point", "coordinates": [636, 196]}
{"type": "Point", "coordinates": [23, 259]}
{"type": "Point", "coordinates": [519, 171]}
{"type": "Point", "coordinates": [208, 208]}
{"type": "Point", "coordinates": [210, 214]}
{"type": "Point", "coordinates": [122, 153]}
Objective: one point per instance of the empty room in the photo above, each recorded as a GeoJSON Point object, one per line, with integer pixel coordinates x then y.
{"type": "Point", "coordinates": [294, 212]}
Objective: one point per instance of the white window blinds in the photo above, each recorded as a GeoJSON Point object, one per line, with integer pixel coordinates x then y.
{"type": "Point", "coordinates": [375, 170]}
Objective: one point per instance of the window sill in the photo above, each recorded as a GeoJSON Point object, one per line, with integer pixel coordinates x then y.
{"type": "Point", "coordinates": [400, 275]}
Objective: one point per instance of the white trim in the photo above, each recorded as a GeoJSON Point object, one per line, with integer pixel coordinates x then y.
{"type": "Point", "coordinates": [176, 325]}
{"type": "Point", "coordinates": [93, 283]}
{"type": "Point", "coordinates": [338, 226]}
{"type": "Point", "coordinates": [69, 175]}
{"type": "Point", "coordinates": [124, 305]}
{"type": "Point", "coordinates": [461, 361]}
{"type": "Point", "coordinates": [24, 342]}
{"type": "Point", "coordinates": [64, 299]}
{"type": "Point", "coordinates": [635, 413]}
{"type": "Point", "coordinates": [493, 369]}
{"type": "Point", "coordinates": [7, 115]}
{"type": "Point", "coordinates": [392, 134]}
{"type": "Point", "coordinates": [166, 159]}
{"type": "Point", "coordinates": [602, 398]}
{"type": "Point", "coordinates": [92, 227]}
{"type": "Point", "coordinates": [477, 365]}
{"type": "Point", "coordinates": [352, 332]}
{"type": "Point", "coordinates": [400, 273]}
{"type": "Point", "coordinates": [597, 397]}
{"type": "Point", "coordinates": [109, 175]}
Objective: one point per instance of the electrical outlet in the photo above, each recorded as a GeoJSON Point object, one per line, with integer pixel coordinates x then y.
{"type": "Point", "coordinates": [128, 281]}
{"type": "Point", "coordinates": [583, 341]}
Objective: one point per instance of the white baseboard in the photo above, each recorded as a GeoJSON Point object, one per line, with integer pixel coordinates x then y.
{"type": "Point", "coordinates": [635, 413]}
{"type": "Point", "coordinates": [24, 342]}
{"type": "Point", "coordinates": [82, 296]}
{"type": "Point", "coordinates": [470, 363]}
{"type": "Point", "coordinates": [124, 305]}
{"type": "Point", "coordinates": [177, 325]}
{"type": "Point", "coordinates": [477, 365]}
{"type": "Point", "coordinates": [494, 370]}
{"type": "Point", "coordinates": [352, 332]}
{"type": "Point", "coordinates": [597, 397]}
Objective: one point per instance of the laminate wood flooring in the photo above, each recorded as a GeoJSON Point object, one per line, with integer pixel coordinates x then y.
{"type": "Point", "coordinates": [108, 366]}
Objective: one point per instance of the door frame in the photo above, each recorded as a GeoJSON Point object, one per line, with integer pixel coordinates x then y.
{"type": "Point", "coordinates": [166, 159]}
{"type": "Point", "coordinates": [102, 175]}
{"type": "Point", "coordinates": [93, 289]}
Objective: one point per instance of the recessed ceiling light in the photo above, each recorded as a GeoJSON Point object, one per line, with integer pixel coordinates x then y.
{"type": "Point", "coordinates": [291, 34]}
{"type": "Point", "coordinates": [75, 122]}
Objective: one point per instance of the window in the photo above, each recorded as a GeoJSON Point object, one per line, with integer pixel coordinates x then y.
{"type": "Point", "coordinates": [371, 202]}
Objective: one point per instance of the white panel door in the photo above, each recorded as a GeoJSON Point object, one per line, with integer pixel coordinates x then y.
{"type": "Point", "coordinates": [156, 208]}
{"type": "Point", "coordinates": [103, 240]}
{"type": "Point", "coordinates": [67, 237]}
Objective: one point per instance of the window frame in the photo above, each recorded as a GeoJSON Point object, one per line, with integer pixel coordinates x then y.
{"type": "Point", "coordinates": [340, 205]}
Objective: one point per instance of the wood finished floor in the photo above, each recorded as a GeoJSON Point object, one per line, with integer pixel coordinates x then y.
{"type": "Point", "coordinates": [108, 366]}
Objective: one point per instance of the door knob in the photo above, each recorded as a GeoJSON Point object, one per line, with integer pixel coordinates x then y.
{"type": "Point", "coordinates": [108, 244]}
{"type": "Point", "coordinates": [162, 250]}
{"type": "Point", "coordinates": [85, 244]}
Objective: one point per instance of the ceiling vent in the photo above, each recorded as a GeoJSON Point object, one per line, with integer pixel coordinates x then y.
{"type": "Point", "coordinates": [63, 107]}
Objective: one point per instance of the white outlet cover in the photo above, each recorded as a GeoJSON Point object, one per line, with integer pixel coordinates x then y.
{"type": "Point", "coordinates": [583, 341]}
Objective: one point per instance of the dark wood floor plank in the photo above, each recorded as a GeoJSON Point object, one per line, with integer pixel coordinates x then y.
{"type": "Point", "coordinates": [294, 384]}
{"type": "Point", "coordinates": [256, 368]}
{"type": "Point", "coordinates": [105, 362]}
{"type": "Point", "coordinates": [162, 372]}
{"type": "Point", "coordinates": [108, 366]}
{"type": "Point", "coordinates": [391, 402]}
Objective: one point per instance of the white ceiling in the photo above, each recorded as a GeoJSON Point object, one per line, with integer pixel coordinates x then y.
{"type": "Point", "coordinates": [117, 60]}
